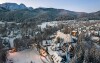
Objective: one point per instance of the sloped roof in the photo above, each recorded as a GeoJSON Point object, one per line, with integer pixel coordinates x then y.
{"type": "Point", "coordinates": [65, 37]}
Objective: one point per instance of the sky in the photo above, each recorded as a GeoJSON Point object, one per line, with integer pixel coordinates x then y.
{"type": "Point", "coordinates": [72, 5]}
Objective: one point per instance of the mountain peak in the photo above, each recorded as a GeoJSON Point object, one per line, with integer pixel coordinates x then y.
{"type": "Point", "coordinates": [22, 5]}
{"type": "Point", "coordinates": [13, 6]}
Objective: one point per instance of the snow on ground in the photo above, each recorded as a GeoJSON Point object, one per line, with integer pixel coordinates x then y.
{"type": "Point", "coordinates": [11, 42]}
{"type": "Point", "coordinates": [66, 37]}
{"type": "Point", "coordinates": [11, 39]}
{"type": "Point", "coordinates": [26, 56]}
{"type": "Point", "coordinates": [53, 23]}
{"type": "Point", "coordinates": [95, 38]}
{"type": "Point", "coordinates": [2, 22]}
{"type": "Point", "coordinates": [43, 25]}
{"type": "Point", "coordinates": [8, 23]}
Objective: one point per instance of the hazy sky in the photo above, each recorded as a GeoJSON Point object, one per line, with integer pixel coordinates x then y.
{"type": "Point", "coordinates": [73, 5]}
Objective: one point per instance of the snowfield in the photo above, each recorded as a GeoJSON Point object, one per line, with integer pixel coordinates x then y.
{"type": "Point", "coordinates": [26, 56]}
{"type": "Point", "coordinates": [43, 25]}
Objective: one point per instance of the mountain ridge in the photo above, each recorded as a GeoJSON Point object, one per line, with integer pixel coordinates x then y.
{"type": "Point", "coordinates": [15, 12]}
{"type": "Point", "coordinates": [13, 6]}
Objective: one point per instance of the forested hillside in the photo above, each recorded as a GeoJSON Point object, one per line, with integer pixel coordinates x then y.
{"type": "Point", "coordinates": [21, 13]}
